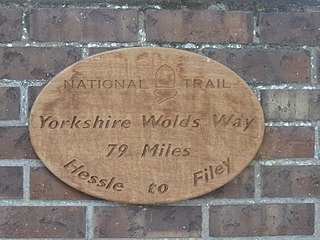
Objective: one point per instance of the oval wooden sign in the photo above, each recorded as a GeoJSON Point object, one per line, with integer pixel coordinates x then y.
{"type": "Point", "coordinates": [146, 125]}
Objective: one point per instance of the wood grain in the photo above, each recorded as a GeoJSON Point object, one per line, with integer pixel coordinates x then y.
{"type": "Point", "coordinates": [146, 125]}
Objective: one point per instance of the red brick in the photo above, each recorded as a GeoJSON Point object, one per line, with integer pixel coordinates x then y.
{"type": "Point", "coordinates": [291, 181]}
{"type": "Point", "coordinates": [261, 220]}
{"type": "Point", "coordinates": [45, 186]}
{"type": "Point", "coordinates": [165, 221]}
{"type": "Point", "coordinates": [265, 66]}
{"type": "Point", "coordinates": [199, 26]}
{"type": "Point", "coordinates": [36, 63]}
{"type": "Point", "coordinates": [33, 92]}
{"type": "Point", "coordinates": [10, 24]}
{"type": "Point", "coordinates": [290, 28]}
{"type": "Point", "coordinates": [15, 143]}
{"type": "Point", "coordinates": [42, 222]}
{"type": "Point", "coordinates": [265, 5]}
{"type": "Point", "coordinates": [12, 1]}
{"type": "Point", "coordinates": [287, 142]}
{"type": "Point", "coordinates": [61, 24]}
{"type": "Point", "coordinates": [9, 103]}
{"type": "Point", "coordinates": [240, 187]}
{"type": "Point", "coordinates": [195, 4]}
{"type": "Point", "coordinates": [11, 185]}
{"type": "Point", "coordinates": [291, 104]}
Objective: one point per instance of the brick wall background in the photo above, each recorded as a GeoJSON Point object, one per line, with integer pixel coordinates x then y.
{"type": "Point", "coordinates": [272, 44]}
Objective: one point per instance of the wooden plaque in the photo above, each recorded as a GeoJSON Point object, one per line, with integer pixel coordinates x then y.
{"type": "Point", "coordinates": [146, 125]}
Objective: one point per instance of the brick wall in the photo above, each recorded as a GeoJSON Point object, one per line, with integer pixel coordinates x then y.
{"type": "Point", "coordinates": [273, 45]}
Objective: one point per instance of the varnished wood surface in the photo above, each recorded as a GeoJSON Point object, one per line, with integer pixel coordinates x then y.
{"type": "Point", "coordinates": [146, 125]}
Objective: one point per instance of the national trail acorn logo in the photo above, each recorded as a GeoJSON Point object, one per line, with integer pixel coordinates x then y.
{"type": "Point", "coordinates": [165, 83]}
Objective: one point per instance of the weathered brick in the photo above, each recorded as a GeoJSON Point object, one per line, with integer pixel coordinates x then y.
{"type": "Point", "coordinates": [42, 222]}
{"type": "Point", "coordinates": [290, 28]}
{"type": "Point", "coordinates": [265, 66]}
{"type": "Point", "coordinates": [10, 24]}
{"type": "Point", "coordinates": [163, 3]}
{"type": "Point", "coordinates": [261, 220]}
{"type": "Point", "coordinates": [45, 186]}
{"type": "Point", "coordinates": [267, 5]}
{"type": "Point", "coordinates": [291, 181]}
{"type": "Point", "coordinates": [12, 1]}
{"type": "Point", "coordinates": [240, 187]}
{"type": "Point", "coordinates": [62, 24]}
{"type": "Point", "coordinates": [36, 63]}
{"type": "Point", "coordinates": [199, 26]}
{"type": "Point", "coordinates": [291, 104]}
{"type": "Point", "coordinates": [165, 221]}
{"type": "Point", "coordinates": [287, 142]}
{"type": "Point", "coordinates": [193, 4]}
{"type": "Point", "coordinates": [11, 185]}
{"type": "Point", "coordinates": [15, 143]}
{"type": "Point", "coordinates": [33, 92]}
{"type": "Point", "coordinates": [9, 103]}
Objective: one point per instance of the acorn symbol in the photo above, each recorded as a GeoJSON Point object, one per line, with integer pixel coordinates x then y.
{"type": "Point", "coordinates": [165, 83]}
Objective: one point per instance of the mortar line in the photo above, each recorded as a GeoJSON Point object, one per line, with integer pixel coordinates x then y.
{"type": "Point", "coordinates": [290, 162]}
{"type": "Point", "coordinates": [317, 144]}
{"type": "Point", "coordinates": [10, 83]}
{"type": "Point", "coordinates": [201, 46]}
{"type": "Point", "coordinates": [257, 92]}
{"type": "Point", "coordinates": [19, 83]}
{"type": "Point", "coordinates": [314, 66]}
{"type": "Point", "coordinates": [252, 46]}
{"type": "Point", "coordinates": [21, 162]}
{"type": "Point", "coordinates": [282, 237]}
{"type": "Point", "coordinates": [25, 33]}
{"type": "Point", "coordinates": [105, 4]}
{"type": "Point", "coordinates": [287, 86]}
{"type": "Point", "coordinates": [11, 123]}
{"type": "Point", "coordinates": [257, 180]}
{"type": "Point", "coordinates": [219, 7]}
{"type": "Point", "coordinates": [271, 123]}
{"type": "Point", "coordinates": [256, 29]}
{"type": "Point", "coordinates": [26, 183]}
{"type": "Point", "coordinates": [89, 223]}
{"type": "Point", "coordinates": [84, 52]}
{"type": "Point", "coordinates": [187, 203]}
{"type": "Point", "coordinates": [317, 220]}
{"type": "Point", "coordinates": [24, 108]}
{"type": "Point", "coordinates": [142, 36]}
{"type": "Point", "coordinates": [205, 225]}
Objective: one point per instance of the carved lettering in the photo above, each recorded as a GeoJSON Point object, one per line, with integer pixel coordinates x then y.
{"type": "Point", "coordinates": [162, 188]}
{"type": "Point", "coordinates": [77, 170]}
{"type": "Point", "coordinates": [164, 150]}
{"type": "Point", "coordinates": [104, 84]}
{"type": "Point", "coordinates": [169, 122]}
{"type": "Point", "coordinates": [226, 120]}
{"type": "Point", "coordinates": [211, 172]}
{"type": "Point", "coordinates": [202, 83]}
{"type": "Point", "coordinates": [78, 123]}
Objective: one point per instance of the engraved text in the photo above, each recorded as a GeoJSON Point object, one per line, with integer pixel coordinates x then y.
{"type": "Point", "coordinates": [78, 170]}
{"type": "Point", "coordinates": [210, 173]}
{"type": "Point", "coordinates": [232, 121]}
